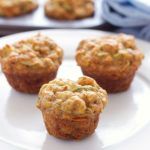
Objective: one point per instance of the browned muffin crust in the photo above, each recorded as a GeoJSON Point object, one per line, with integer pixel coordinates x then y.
{"type": "Point", "coordinates": [111, 60]}
{"type": "Point", "coordinates": [71, 109]}
{"type": "Point", "coordinates": [69, 9]}
{"type": "Point", "coordinates": [30, 63]}
{"type": "Point", "coordinates": [70, 128]}
{"type": "Point", "coordinates": [12, 8]}
{"type": "Point", "coordinates": [29, 83]}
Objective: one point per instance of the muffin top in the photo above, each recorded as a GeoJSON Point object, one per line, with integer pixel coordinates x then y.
{"type": "Point", "coordinates": [72, 3]}
{"type": "Point", "coordinates": [74, 8]}
{"type": "Point", "coordinates": [36, 53]}
{"type": "Point", "coordinates": [10, 3]}
{"type": "Point", "coordinates": [75, 98]}
{"type": "Point", "coordinates": [109, 52]}
{"type": "Point", "coordinates": [10, 8]}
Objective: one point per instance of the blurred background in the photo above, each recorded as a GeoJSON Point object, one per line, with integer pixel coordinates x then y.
{"type": "Point", "coordinates": [129, 16]}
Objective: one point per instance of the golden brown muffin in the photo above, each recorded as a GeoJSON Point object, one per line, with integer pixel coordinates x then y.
{"type": "Point", "coordinates": [111, 60]}
{"type": "Point", "coordinates": [71, 109]}
{"type": "Point", "coordinates": [69, 9]}
{"type": "Point", "coordinates": [11, 8]}
{"type": "Point", "coordinates": [30, 63]}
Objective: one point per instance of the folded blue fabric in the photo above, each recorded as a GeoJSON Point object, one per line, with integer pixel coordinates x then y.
{"type": "Point", "coordinates": [128, 14]}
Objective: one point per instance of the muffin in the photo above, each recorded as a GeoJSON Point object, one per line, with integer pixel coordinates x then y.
{"type": "Point", "coordinates": [111, 60]}
{"type": "Point", "coordinates": [69, 9]}
{"type": "Point", "coordinates": [11, 8]}
{"type": "Point", "coordinates": [71, 109]}
{"type": "Point", "coordinates": [29, 63]}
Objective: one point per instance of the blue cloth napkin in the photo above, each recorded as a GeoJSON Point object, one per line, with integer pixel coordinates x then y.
{"type": "Point", "coordinates": [132, 15]}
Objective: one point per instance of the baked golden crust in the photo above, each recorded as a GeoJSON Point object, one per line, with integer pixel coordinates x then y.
{"type": "Point", "coordinates": [75, 98]}
{"type": "Point", "coordinates": [35, 54]}
{"type": "Point", "coordinates": [30, 63]}
{"type": "Point", "coordinates": [69, 9]}
{"type": "Point", "coordinates": [70, 128]}
{"type": "Point", "coordinates": [110, 60]}
{"type": "Point", "coordinates": [11, 8]}
{"type": "Point", "coordinates": [71, 109]}
{"type": "Point", "coordinates": [29, 83]}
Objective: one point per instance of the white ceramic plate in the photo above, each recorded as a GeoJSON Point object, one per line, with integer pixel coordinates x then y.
{"type": "Point", "coordinates": [124, 124]}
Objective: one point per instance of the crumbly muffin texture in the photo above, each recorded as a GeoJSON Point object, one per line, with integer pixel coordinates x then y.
{"type": "Point", "coordinates": [34, 54]}
{"type": "Point", "coordinates": [69, 9]}
{"type": "Point", "coordinates": [113, 52]}
{"type": "Point", "coordinates": [10, 8]}
{"type": "Point", "coordinates": [73, 98]}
